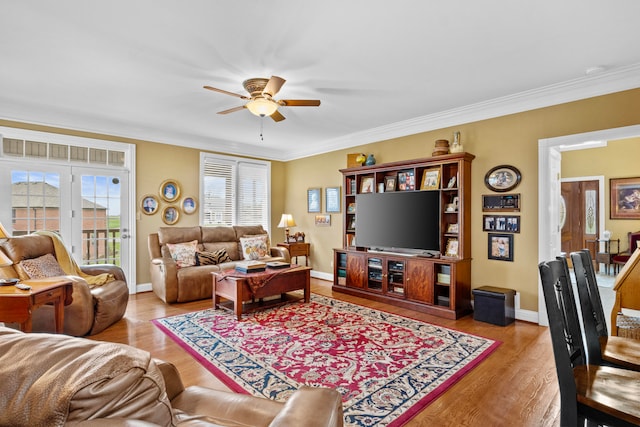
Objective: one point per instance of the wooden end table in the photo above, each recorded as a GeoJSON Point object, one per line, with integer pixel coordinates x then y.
{"type": "Point", "coordinates": [17, 306]}
{"type": "Point", "coordinates": [234, 286]}
{"type": "Point", "coordinates": [298, 249]}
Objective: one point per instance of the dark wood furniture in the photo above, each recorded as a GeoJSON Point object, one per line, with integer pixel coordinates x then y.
{"type": "Point", "coordinates": [621, 258]}
{"type": "Point", "coordinates": [298, 249]}
{"type": "Point", "coordinates": [600, 347]}
{"type": "Point", "coordinates": [439, 286]}
{"type": "Point", "coordinates": [606, 255]}
{"type": "Point", "coordinates": [596, 393]}
{"type": "Point", "coordinates": [237, 287]}
{"type": "Point", "coordinates": [17, 306]}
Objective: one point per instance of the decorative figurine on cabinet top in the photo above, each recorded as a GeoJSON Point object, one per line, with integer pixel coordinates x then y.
{"type": "Point", "coordinates": [370, 160]}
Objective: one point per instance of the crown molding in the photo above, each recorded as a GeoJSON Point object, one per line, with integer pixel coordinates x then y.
{"type": "Point", "coordinates": [617, 80]}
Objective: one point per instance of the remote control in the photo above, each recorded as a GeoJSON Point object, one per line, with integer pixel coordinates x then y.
{"type": "Point", "coordinates": [23, 287]}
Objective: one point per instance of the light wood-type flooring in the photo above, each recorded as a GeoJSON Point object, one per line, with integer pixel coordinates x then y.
{"type": "Point", "coordinates": [515, 386]}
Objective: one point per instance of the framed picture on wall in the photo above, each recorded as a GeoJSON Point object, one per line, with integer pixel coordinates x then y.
{"type": "Point", "coordinates": [625, 198]}
{"type": "Point", "coordinates": [332, 199]}
{"type": "Point", "coordinates": [313, 200]}
{"type": "Point", "coordinates": [500, 246]}
{"type": "Point", "coordinates": [149, 204]}
{"type": "Point", "coordinates": [170, 190]}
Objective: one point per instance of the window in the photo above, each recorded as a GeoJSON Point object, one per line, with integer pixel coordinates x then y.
{"type": "Point", "coordinates": [234, 191]}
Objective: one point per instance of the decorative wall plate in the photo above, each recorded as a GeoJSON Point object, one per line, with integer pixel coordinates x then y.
{"type": "Point", "coordinates": [502, 178]}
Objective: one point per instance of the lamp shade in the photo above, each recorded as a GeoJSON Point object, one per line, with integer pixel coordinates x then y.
{"type": "Point", "coordinates": [262, 107]}
{"type": "Point", "coordinates": [286, 221]}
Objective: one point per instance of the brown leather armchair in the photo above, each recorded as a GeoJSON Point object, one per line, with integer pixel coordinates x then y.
{"type": "Point", "coordinates": [93, 308]}
{"type": "Point", "coordinates": [56, 380]}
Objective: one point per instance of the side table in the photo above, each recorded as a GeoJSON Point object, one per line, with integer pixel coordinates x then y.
{"type": "Point", "coordinates": [606, 257]}
{"type": "Point", "coordinates": [298, 249]}
{"type": "Point", "coordinates": [17, 306]}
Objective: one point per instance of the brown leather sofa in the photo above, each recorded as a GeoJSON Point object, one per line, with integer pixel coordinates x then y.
{"type": "Point", "coordinates": [93, 308]}
{"type": "Point", "coordinates": [56, 380]}
{"type": "Point", "coordinates": [172, 284]}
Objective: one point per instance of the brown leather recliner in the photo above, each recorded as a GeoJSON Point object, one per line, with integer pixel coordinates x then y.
{"type": "Point", "coordinates": [57, 380]}
{"type": "Point", "coordinates": [93, 308]}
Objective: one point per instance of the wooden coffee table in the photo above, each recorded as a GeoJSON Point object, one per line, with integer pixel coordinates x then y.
{"type": "Point", "coordinates": [17, 305]}
{"type": "Point", "coordinates": [236, 287]}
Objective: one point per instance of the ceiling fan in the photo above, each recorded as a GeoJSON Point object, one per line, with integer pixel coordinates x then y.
{"type": "Point", "coordinates": [261, 101]}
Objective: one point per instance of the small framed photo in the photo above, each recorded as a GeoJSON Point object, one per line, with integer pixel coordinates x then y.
{"type": "Point", "coordinates": [189, 205]}
{"type": "Point", "coordinates": [323, 220]}
{"type": "Point", "coordinates": [351, 209]}
{"type": "Point", "coordinates": [430, 179]}
{"type": "Point", "coordinates": [500, 246]}
{"type": "Point", "coordinates": [389, 183]}
{"type": "Point", "coordinates": [502, 178]}
{"type": "Point", "coordinates": [170, 215]}
{"type": "Point", "coordinates": [149, 204]}
{"type": "Point", "coordinates": [452, 228]}
{"type": "Point", "coordinates": [313, 200]}
{"type": "Point", "coordinates": [509, 224]}
{"type": "Point", "coordinates": [367, 184]}
{"type": "Point", "coordinates": [452, 248]}
{"type": "Point", "coordinates": [170, 190]}
{"type": "Point", "coordinates": [332, 199]}
{"type": "Point", "coordinates": [625, 198]}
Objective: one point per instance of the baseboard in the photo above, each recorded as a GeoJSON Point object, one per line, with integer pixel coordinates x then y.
{"type": "Point", "coordinates": [143, 287]}
{"type": "Point", "coordinates": [322, 276]}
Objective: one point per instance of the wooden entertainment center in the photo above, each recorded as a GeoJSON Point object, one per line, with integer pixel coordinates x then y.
{"type": "Point", "coordinates": [435, 285]}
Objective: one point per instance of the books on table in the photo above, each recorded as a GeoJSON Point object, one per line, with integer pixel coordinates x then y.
{"type": "Point", "coordinates": [251, 266]}
{"type": "Point", "coordinates": [278, 264]}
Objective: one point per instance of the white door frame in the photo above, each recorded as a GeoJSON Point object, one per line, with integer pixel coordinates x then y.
{"type": "Point", "coordinates": [548, 232]}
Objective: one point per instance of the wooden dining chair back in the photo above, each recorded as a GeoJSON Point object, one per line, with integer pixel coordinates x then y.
{"type": "Point", "coordinates": [588, 393]}
{"type": "Point", "coordinates": [600, 347]}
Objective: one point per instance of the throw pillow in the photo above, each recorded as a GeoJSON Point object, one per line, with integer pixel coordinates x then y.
{"type": "Point", "coordinates": [184, 254]}
{"type": "Point", "coordinates": [254, 247]}
{"type": "Point", "coordinates": [212, 258]}
{"type": "Point", "coordinates": [41, 267]}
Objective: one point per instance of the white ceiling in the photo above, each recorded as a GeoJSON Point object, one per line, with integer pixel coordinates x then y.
{"type": "Point", "coordinates": [382, 69]}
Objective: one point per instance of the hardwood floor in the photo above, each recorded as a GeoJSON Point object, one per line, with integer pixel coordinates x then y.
{"type": "Point", "coordinates": [515, 386]}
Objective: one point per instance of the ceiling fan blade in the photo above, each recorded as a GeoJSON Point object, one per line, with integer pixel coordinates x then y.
{"type": "Point", "coordinates": [273, 85]}
{"type": "Point", "coordinates": [277, 117]}
{"type": "Point", "coordinates": [299, 102]}
{"type": "Point", "coordinates": [232, 110]}
{"type": "Point", "coordinates": [215, 89]}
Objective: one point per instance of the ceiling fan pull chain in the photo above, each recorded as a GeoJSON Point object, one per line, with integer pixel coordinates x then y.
{"type": "Point", "coordinates": [261, 127]}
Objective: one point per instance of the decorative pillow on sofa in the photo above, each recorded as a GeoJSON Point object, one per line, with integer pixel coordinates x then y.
{"type": "Point", "coordinates": [184, 254]}
{"type": "Point", "coordinates": [255, 247]}
{"type": "Point", "coordinates": [41, 267]}
{"type": "Point", "coordinates": [212, 258]}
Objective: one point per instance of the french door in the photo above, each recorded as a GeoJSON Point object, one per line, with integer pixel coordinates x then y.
{"type": "Point", "coordinates": [88, 207]}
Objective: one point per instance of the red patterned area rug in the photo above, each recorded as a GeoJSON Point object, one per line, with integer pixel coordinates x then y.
{"type": "Point", "coordinates": [386, 367]}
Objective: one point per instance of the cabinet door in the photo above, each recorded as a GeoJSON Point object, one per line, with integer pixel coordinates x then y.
{"type": "Point", "coordinates": [419, 281]}
{"type": "Point", "coordinates": [356, 273]}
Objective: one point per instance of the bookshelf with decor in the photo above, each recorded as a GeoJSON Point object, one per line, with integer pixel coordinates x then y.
{"type": "Point", "coordinates": [432, 275]}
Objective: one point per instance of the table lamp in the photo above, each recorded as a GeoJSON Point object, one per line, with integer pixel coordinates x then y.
{"type": "Point", "coordinates": [5, 261]}
{"type": "Point", "coordinates": [285, 222]}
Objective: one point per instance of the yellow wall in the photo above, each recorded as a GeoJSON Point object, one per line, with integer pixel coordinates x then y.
{"type": "Point", "coordinates": [619, 159]}
{"type": "Point", "coordinates": [511, 139]}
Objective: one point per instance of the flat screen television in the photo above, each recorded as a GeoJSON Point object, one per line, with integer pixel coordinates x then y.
{"type": "Point", "coordinates": [406, 222]}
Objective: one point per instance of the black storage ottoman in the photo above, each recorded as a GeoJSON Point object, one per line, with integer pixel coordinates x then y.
{"type": "Point", "coordinates": [494, 305]}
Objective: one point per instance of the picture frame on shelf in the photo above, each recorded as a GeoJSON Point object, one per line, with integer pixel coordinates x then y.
{"type": "Point", "coordinates": [351, 209]}
{"type": "Point", "coordinates": [170, 215]}
{"type": "Point", "coordinates": [313, 200]}
{"type": "Point", "coordinates": [453, 228]}
{"type": "Point", "coordinates": [452, 248]}
{"type": "Point", "coordinates": [390, 183]}
{"type": "Point", "coordinates": [500, 246]}
{"type": "Point", "coordinates": [406, 181]}
{"type": "Point", "coordinates": [430, 179]}
{"type": "Point", "coordinates": [332, 199]}
{"type": "Point", "coordinates": [323, 220]}
{"type": "Point", "coordinates": [189, 205]}
{"type": "Point", "coordinates": [502, 178]}
{"type": "Point", "coordinates": [624, 198]}
{"type": "Point", "coordinates": [149, 204]}
{"type": "Point", "coordinates": [169, 190]}
{"type": "Point", "coordinates": [367, 185]}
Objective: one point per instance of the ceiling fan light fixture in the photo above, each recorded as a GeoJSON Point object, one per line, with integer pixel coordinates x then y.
{"type": "Point", "coordinates": [262, 107]}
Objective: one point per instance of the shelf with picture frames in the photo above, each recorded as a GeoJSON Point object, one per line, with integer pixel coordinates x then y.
{"type": "Point", "coordinates": [438, 285]}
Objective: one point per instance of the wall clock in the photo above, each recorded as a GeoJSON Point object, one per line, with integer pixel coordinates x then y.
{"type": "Point", "coordinates": [502, 178]}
